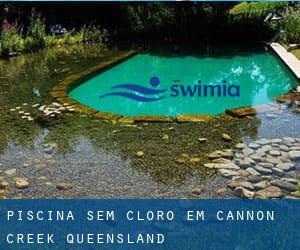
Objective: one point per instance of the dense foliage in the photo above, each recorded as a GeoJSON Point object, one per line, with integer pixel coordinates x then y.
{"type": "Point", "coordinates": [14, 40]}
{"type": "Point", "coordinates": [150, 21]}
{"type": "Point", "coordinates": [291, 29]}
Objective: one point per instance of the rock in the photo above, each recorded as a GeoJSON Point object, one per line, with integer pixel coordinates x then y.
{"type": "Point", "coordinates": [139, 154]}
{"type": "Point", "coordinates": [165, 137]}
{"type": "Point", "coordinates": [195, 160]}
{"type": "Point", "coordinates": [245, 163]}
{"type": "Point", "coordinates": [214, 155]}
{"type": "Point", "coordinates": [268, 193]}
{"type": "Point", "coordinates": [264, 149]}
{"type": "Point", "coordinates": [221, 191]}
{"type": "Point", "coordinates": [228, 172]}
{"type": "Point", "coordinates": [254, 146]}
{"type": "Point", "coordinates": [244, 173]}
{"type": "Point", "coordinates": [263, 141]}
{"type": "Point", "coordinates": [266, 164]}
{"type": "Point", "coordinates": [284, 148]}
{"type": "Point", "coordinates": [21, 183]}
{"type": "Point", "coordinates": [42, 178]}
{"type": "Point", "coordinates": [285, 159]}
{"type": "Point", "coordinates": [294, 155]}
{"type": "Point", "coordinates": [239, 156]}
{"type": "Point", "coordinates": [181, 161]}
{"type": "Point", "coordinates": [240, 146]}
{"type": "Point", "coordinates": [274, 153]}
{"type": "Point", "coordinates": [221, 160]}
{"type": "Point", "coordinates": [254, 178]}
{"type": "Point", "coordinates": [252, 171]}
{"type": "Point", "coordinates": [126, 120]}
{"type": "Point", "coordinates": [226, 137]}
{"type": "Point", "coordinates": [271, 116]}
{"type": "Point", "coordinates": [248, 151]}
{"type": "Point", "coordinates": [244, 193]}
{"type": "Point", "coordinates": [289, 140]}
{"type": "Point", "coordinates": [4, 185]}
{"type": "Point", "coordinates": [64, 186]}
{"type": "Point", "coordinates": [277, 171]}
{"type": "Point", "coordinates": [193, 118]}
{"type": "Point", "coordinates": [227, 154]}
{"type": "Point", "coordinates": [26, 165]}
{"type": "Point", "coordinates": [10, 172]}
{"type": "Point", "coordinates": [263, 170]}
{"type": "Point", "coordinates": [40, 165]}
{"type": "Point", "coordinates": [286, 166]}
{"type": "Point", "coordinates": [261, 185]}
{"type": "Point", "coordinates": [273, 160]}
{"type": "Point", "coordinates": [221, 166]}
{"type": "Point", "coordinates": [236, 183]}
{"type": "Point", "coordinates": [185, 156]}
{"type": "Point", "coordinates": [256, 157]}
{"type": "Point", "coordinates": [202, 139]}
{"type": "Point", "coordinates": [276, 141]}
{"type": "Point", "coordinates": [197, 191]}
{"type": "Point", "coordinates": [284, 185]}
{"type": "Point", "coordinates": [294, 174]}
{"type": "Point", "coordinates": [267, 177]}
{"type": "Point", "coordinates": [290, 180]}
{"type": "Point", "coordinates": [47, 156]}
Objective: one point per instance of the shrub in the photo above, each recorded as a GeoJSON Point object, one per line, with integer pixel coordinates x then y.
{"type": "Point", "coordinates": [36, 33]}
{"type": "Point", "coordinates": [291, 29]}
{"type": "Point", "coordinates": [10, 40]}
{"type": "Point", "coordinates": [50, 41]}
{"type": "Point", "coordinates": [92, 33]}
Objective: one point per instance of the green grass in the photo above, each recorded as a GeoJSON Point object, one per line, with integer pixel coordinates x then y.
{"type": "Point", "coordinates": [296, 52]}
{"type": "Point", "coordinates": [245, 7]}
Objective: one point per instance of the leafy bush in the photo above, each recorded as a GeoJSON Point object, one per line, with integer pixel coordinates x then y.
{"type": "Point", "coordinates": [10, 40]}
{"type": "Point", "coordinates": [92, 33]}
{"type": "Point", "coordinates": [153, 16]}
{"type": "Point", "coordinates": [291, 29]}
{"type": "Point", "coordinates": [36, 34]}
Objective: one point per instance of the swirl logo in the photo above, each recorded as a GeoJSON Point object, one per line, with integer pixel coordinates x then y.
{"type": "Point", "coordinates": [138, 92]}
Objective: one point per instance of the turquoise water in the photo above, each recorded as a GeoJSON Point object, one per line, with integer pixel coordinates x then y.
{"type": "Point", "coordinates": [259, 75]}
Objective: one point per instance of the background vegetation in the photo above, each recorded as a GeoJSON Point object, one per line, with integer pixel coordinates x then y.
{"type": "Point", "coordinates": [194, 22]}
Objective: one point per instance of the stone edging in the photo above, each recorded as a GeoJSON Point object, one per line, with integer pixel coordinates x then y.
{"type": "Point", "coordinates": [60, 93]}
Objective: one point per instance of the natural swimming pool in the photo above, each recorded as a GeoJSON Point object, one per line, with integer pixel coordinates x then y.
{"type": "Point", "coordinates": [93, 154]}
{"type": "Point", "coordinates": [169, 84]}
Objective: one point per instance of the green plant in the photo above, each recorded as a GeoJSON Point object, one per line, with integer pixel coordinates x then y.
{"type": "Point", "coordinates": [36, 33]}
{"type": "Point", "coordinates": [92, 33]}
{"type": "Point", "coordinates": [10, 41]}
{"type": "Point", "coordinates": [291, 29]}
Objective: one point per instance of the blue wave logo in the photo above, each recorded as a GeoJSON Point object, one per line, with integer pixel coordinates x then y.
{"type": "Point", "coordinates": [138, 92]}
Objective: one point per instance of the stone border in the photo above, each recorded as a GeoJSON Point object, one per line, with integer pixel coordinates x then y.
{"type": "Point", "coordinates": [60, 93]}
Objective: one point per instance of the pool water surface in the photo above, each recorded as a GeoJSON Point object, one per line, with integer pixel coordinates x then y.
{"type": "Point", "coordinates": [154, 84]}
